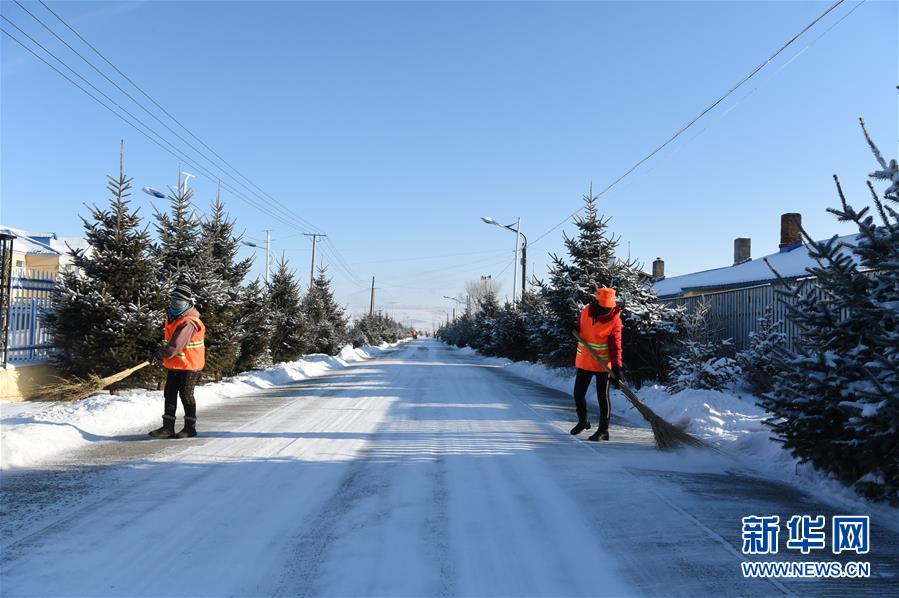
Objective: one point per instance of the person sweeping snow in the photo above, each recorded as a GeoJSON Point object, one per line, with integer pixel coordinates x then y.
{"type": "Point", "coordinates": [600, 327]}
{"type": "Point", "coordinates": [183, 356]}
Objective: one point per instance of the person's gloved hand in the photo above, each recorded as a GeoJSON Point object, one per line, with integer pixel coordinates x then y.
{"type": "Point", "coordinates": [155, 358]}
{"type": "Point", "coordinates": [615, 379]}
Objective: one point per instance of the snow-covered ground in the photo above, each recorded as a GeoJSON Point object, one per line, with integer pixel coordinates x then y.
{"type": "Point", "coordinates": [731, 421]}
{"type": "Point", "coordinates": [34, 432]}
{"type": "Point", "coordinates": [426, 471]}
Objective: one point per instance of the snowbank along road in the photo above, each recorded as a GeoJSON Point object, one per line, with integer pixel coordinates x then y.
{"type": "Point", "coordinates": [424, 472]}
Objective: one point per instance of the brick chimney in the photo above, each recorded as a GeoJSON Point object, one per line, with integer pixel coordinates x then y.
{"type": "Point", "coordinates": [658, 269]}
{"type": "Point", "coordinates": [790, 235]}
{"type": "Point", "coordinates": [742, 250]}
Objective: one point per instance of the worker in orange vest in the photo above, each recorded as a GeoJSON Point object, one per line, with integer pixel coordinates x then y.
{"type": "Point", "coordinates": [184, 356]}
{"type": "Point", "coordinates": [600, 326]}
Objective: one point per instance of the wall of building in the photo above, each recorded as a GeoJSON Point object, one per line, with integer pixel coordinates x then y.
{"type": "Point", "coordinates": [21, 382]}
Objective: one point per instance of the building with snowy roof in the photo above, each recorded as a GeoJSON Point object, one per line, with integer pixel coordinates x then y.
{"type": "Point", "coordinates": [739, 294]}
{"type": "Point", "coordinates": [791, 261]}
{"type": "Point", "coordinates": [35, 260]}
{"type": "Point", "coordinates": [41, 255]}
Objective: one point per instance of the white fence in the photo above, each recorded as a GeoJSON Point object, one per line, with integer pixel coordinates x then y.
{"type": "Point", "coordinates": [29, 339]}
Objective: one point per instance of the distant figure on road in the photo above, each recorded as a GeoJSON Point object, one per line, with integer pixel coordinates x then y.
{"type": "Point", "coordinates": [600, 326]}
{"type": "Point", "coordinates": [183, 356]}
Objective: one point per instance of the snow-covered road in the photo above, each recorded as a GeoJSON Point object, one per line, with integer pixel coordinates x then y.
{"type": "Point", "coordinates": [424, 472]}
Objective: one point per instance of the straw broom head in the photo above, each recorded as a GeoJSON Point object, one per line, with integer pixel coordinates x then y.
{"type": "Point", "coordinates": [81, 388]}
{"type": "Point", "coordinates": [667, 435]}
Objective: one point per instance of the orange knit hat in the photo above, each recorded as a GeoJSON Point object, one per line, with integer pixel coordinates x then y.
{"type": "Point", "coordinates": [605, 297]}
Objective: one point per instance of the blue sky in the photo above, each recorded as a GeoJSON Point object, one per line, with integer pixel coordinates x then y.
{"type": "Point", "coordinates": [394, 126]}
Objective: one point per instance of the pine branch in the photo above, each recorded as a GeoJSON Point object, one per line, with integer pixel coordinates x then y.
{"type": "Point", "coordinates": [874, 149]}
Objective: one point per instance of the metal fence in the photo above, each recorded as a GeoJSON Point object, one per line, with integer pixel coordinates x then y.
{"type": "Point", "coordinates": [735, 313]}
{"type": "Point", "coordinates": [29, 340]}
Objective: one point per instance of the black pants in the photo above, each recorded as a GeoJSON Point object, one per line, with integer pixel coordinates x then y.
{"type": "Point", "coordinates": [180, 382]}
{"type": "Point", "coordinates": [581, 384]}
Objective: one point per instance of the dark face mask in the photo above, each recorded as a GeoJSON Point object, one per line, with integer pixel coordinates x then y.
{"type": "Point", "coordinates": [177, 307]}
{"type": "Point", "coordinates": [597, 309]}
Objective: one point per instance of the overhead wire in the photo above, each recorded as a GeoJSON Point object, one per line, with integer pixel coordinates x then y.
{"type": "Point", "coordinates": [172, 149]}
{"type": "Point", "coordinates": [682, 129]}
{"type": "Point", "coordinates": [271, 201]}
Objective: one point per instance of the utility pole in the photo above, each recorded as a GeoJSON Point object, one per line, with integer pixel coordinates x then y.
{"type": "Point", "coordinates": [524, 267]}
{"type": "Point", "coordinates": [515, 263]}
{"type": "Point", "coordinates": [268, 254]}
{"type": "Point", "coordinates": [315, 237]}
{"type": "Point", "coordinates": [371, 310]}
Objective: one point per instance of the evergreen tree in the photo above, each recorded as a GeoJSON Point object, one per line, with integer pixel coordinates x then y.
{"type": "Point", "coordinates": [649, 326]}
{"type": "Point", "coordinates": [836, 403]}
{"type": "Point", "coordinates": [107, 311]}
{"type": "Point", "coordinates": [220, 296]}
{"type": "Point", "coordinates": [760, 361]}
{"type": "Point", "coordinates": [510, 338]}
{"type": "Point", "coordinates": [255, 321]}
{"type": "Point", "coordinates": [485, 324]}
{"type": "Point", "coordinates": [326, 322]}
{"type": "Point", "coordinates": [179, 250]}
{"type": "Point", "coordinates": [375, 329]}
{"type": "Point", "coordinates": [702, 361]}
{"type": "Point", "coordinates": [287, 322]}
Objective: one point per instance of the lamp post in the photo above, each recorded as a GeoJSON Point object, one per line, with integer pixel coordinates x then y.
{"type": "Point", "coordinates": [268, 252]}
{"type": "Point", "coordinates": [524, 253]}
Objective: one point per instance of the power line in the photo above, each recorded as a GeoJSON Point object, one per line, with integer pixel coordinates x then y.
{"type": "Point", "coordinates": [274, 203]}
{"type": "Point", "coordinates": [174, 151]}
{"type": "Point", "coordinates": [276, 209]}
{"type": "Point", "coordinates": [701, 114]}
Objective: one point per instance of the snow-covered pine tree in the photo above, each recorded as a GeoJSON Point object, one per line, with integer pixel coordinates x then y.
{"type": "Point", "coordinates": [287, 323]}
{"type": "Point", "coordinates": [485, 324]}
{"type": "Point", "coordinates": [107, 311]}
{"type": "Point", "coordinates": [649, 326]}
{"type": "Point", "coordinates": [179, 251]}
{"type": "Point", "coordinates": [255, 321]}
{"type": "Point", "coordinates": [555, 311]}
{"type": "Point", "coordinates": [510, 338]}
{"type": "Point", "coordinates": [760, 362]}
{"type": "Point", "coordinates": [375, 329]}
{"type": "Point", "coordinates": [836, 403]}
{"type": "Point", "coordinates": [702, 361]}
{"type": "Point", "coordinates": [326, 322]}
{"type": "Point", "coordinates": [221, 298]}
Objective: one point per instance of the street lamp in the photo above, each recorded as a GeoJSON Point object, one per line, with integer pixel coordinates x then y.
{"type": "Point", "coordinates": [524, 252]}
{"type": "Point", "coordinates": [268, 246]}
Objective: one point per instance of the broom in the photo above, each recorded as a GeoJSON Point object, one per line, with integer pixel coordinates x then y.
{"type": "Point", "coordinates": [667, 436]}
{"type": "Point", "coordinates": [80, 388]}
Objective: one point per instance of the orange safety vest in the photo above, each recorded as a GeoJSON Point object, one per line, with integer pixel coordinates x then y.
{"type": "Point", "coordinates": [193, 356]}
{"type": "Point", "coordinates": [597, 336]}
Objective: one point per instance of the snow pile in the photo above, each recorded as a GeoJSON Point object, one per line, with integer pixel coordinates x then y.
{"type": "Point", "coordinates": [32, 433]}
{"type": "Point", "coordinates": [731, 421]}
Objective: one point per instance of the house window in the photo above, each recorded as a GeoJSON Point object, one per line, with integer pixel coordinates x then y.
{"type": "Point", "coordinates": [20, 264]}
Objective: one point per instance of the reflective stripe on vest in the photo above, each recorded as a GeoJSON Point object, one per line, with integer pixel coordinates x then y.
{"type": "Point", "coordinates": [193, 356]}
{"type": "Point", "coordinates": [596, 334]}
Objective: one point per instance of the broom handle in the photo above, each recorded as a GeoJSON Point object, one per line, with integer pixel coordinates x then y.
{"type": "Point", "coordinates": [632, 397]}
{"type": "Point", "coordinates": [124, 373]}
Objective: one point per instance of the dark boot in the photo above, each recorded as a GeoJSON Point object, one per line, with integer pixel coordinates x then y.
{"type": "Point", "coordinates": [580, 427]}
{"type": "Point", "coordinates": [599, 435]}
{"type": "Point", "coordinates": [167, 430]}
{"type": "Point", "coordinates": [190, 428]}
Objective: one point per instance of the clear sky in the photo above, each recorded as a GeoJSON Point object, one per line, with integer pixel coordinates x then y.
{"type": "Point", "coordinates": [393, 127]}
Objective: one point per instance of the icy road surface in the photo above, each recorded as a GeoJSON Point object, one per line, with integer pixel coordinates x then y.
{"type": "Point", "coordinates": [424, 472]}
